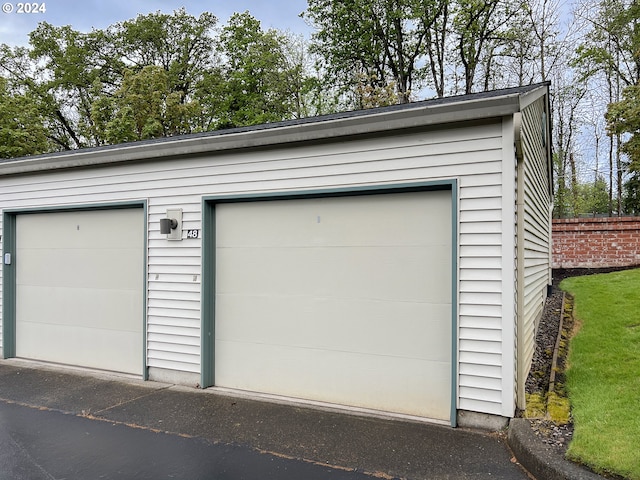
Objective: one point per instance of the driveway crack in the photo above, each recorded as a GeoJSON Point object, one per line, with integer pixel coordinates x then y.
{"type": "Point", "coordinates": [154, 391]}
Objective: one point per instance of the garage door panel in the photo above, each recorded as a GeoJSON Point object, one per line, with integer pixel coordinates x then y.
{"type": "Point", "coordinates": [67, 344]}
{"type": "Point", "coordinates": [76, 230]}
{"type": "Point", "coordinates": [333, 324]}
{"type": "Point", "coordinates": [368, 220]}
{"type": "Point", "coordinates": [79, 288]}
{"type": "Point", "coordinates": [91, 308]}
{"type": "Point", "coordinates": [339, 377]}
{"type": "Point", "coordinates": [345, 300]}
{"type": "Point", "coordinates": [369, 272]}
{"type": "Point", "coordinates": [76, 267]}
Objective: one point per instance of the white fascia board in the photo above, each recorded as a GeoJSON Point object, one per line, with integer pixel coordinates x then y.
{"type": "Point", "coordinates": [527, 98]}
{"type": "Point", "coordinates": [422, 115]}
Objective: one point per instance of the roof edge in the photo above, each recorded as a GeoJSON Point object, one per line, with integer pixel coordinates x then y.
{"type": "Point", "coordinates": [420, 114]}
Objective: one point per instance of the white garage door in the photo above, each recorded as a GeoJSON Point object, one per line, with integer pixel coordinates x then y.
{"type": "Point", "coordinates": [343, 299]}
{"type": "Point", "coordinates": [79, 287]}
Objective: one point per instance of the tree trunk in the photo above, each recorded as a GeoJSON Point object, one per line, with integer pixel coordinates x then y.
{"type": "Point", "coordinates": [610, 175]}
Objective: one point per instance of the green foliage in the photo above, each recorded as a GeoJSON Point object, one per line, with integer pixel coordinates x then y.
{"type": "Point", "coordinates": [462, 44]}
{"type": "Point", "coordinates": [145, 106]}
{"type": "Point", "coordinates": [168, 74]}
{"type": "Point", "coordinates": [624, 118]}
{"type": "Point", "coordinates": [609, 55]}
{"type": "Point", "coordinates": [631, 194]}
{"type": "Point", "coordinates": [613, 45]}
{"type": "Point", "coordinates": [369, 96]}
{"type": "Point", "coordinates": [152, 76]}
{"type": "Point", "coordinates": [477, 25]}
{"type": "Point", "coordinates": [381, 41]}
{"type": "Point", "coordinates": [165, 59]}
{"type": "Point", "coordinates": [603, 378]}
{"type": "Point", "coordinates": [181, 44]}
{"type": "Point", "coordinates": [21, 126]}
{"type": "Point", "coordinates": [593, 198]}
{"type": "Point", "coordinates": [67, 66]}
{"type": "Point", "coordinates": [562, 193]}
{"type": "Point", "coordinates": [257, 74]}
{"type": "Point", "coordinates": [582, 199]}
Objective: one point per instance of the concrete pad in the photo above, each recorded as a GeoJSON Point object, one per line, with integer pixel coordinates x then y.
{"type": "Point", "coordinates": [68, 392]}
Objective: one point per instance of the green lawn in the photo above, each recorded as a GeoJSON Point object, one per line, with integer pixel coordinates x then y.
{"type": "Point", "coordinates": [603, 378]}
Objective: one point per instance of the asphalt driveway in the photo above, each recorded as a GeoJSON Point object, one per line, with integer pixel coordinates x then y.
{"type": "Point", "coordinates": [45, 445]}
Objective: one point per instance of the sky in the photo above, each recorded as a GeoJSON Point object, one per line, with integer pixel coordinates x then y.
{"type": "Point", "coordinates": [83, 15]}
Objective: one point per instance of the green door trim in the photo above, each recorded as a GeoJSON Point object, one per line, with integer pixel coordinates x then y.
{"type": "Point", "coordinates": [209, 268]}
{"type": "Point", "coordinates": [9, 272]}
{"type": "Point", "coordinates": [8, 286]}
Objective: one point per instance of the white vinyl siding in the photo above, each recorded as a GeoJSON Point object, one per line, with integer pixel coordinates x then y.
{"type": "Point", "coordinates": [481, 288]}
{"type": "Point", "coordinates": [472, 154]}
{"type": "Point", "coordinates": [537, 228]}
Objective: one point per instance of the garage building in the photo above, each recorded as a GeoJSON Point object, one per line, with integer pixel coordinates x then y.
{"type": "Point", "coordinates": [390, 260]}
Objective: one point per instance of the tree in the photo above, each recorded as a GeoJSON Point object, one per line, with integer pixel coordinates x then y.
{"type": "Point", "coordinates": [593, 198]}
{"type": "Point", "coordinates": [631, 196]}
{"type": "Point", "coordinates": [537, 46]}
{"type": "Point", "coordinates": [436, 45]}
{"type": "Point", "coordinates": [623, 118]}
{"type": "Point", "coordinates": [610, 56]}
{"type": "Point", "coordinates": [381, 41]}
{"type": "Point", "coordinates": [304, 85]}
{"type": "Point", "coordinates": [565, 102]}
{"type": "Point", "coordinates": [181, 44]}
{"type": "Point", "coordinates": [158, 75]}
{"type": "Point", "coordinates": [64, 66]}
{"type": "Point", "coordinates": [80, 78]}
{"type": "Point", "coordinates": [21, 127]}
{"type": "Point", "coordinates": [259, 84]}
{"type": "Point", "coordinates": [480, 29]}
{"type": "Point", "coordinates": [178, 54]}
{"type": "Point", "coordinates": [145, 106]}
{"type": "Point", "coordinates": [611, 46]}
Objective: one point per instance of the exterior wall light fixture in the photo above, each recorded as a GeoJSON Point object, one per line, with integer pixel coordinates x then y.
{"type": "Point", "coordinates": [171, 226]}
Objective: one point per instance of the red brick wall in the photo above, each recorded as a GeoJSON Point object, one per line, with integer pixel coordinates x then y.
{"type": "Point", "coordinates": [596, 242]}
